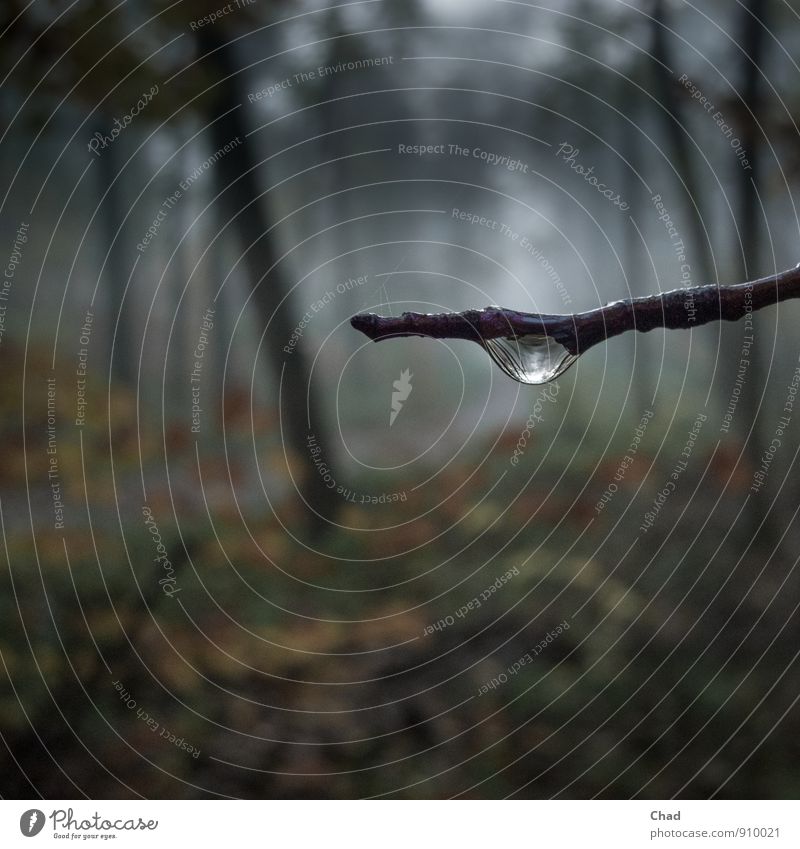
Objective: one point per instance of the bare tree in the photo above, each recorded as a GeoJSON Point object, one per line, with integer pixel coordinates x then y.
{"type": "Point", "coordinates": [237, 179]}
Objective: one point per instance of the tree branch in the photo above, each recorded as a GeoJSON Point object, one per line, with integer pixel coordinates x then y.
{"type": "Point", "coordinates": [577, 332]}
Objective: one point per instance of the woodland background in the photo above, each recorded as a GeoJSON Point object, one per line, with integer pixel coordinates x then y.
{"type": "Point", "coordinates": [301, 659]}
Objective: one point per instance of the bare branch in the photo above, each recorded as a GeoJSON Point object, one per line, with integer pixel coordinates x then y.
{"type": "Point", "coordinates": [577, 332]}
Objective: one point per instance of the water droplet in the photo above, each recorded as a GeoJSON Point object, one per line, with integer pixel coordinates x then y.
{"type": "Point", "coordinates": [530, 359]}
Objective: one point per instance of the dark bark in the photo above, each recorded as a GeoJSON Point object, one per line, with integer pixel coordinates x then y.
{"type": "Point", "coordinates": [630, 147]}
{"type": "Point", "coordinates": [115, 273]}
{"type": "Point", "coordinates": [237, 179]}
{"type": "Point", "coordinates": [751, 40]}
{"type": "Point", "coordinates": [676, 140]}
{"type": "Point", "coordinates": [677, 309]}
{"type": "Point", "coordinates": [751, 37]}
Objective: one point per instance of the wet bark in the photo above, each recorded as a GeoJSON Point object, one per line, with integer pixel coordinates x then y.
{"type": "Point", "coordinates": [577, 332]}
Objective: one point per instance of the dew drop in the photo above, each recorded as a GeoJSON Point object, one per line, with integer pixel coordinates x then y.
{"type": "Point", "coordinates": [531, 359]}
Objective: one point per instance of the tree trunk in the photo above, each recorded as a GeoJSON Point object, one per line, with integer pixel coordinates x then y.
{"type": "Point", "coordinates": [115, 274]}
{"type": "Point", "coordinates": [678, 146]}
{"type": "Point", "coordinates": [237, 178]}
{"type": "Point", "coordinates": [635, 268]}
{"type": "Point", "coordinates": [748, 219]}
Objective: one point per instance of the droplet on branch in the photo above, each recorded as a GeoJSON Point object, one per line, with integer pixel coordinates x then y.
{"type": "Point", "coordinates": [530, 359]}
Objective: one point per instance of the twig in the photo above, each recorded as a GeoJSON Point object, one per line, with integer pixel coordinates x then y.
{"type": "Point", "coordinates": [577, 332]}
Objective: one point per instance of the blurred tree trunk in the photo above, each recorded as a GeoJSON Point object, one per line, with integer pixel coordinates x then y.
{"type": "Point", "coordinates": [751, 39]}
{"type": "Point", "coordinates": [115, 273]}
{"type": "Point", "coordinates": [677, 146]}
{"type": "Point", "coordinates": [634, 269]}
{"type": "Point", "coordinates": [237, 179]}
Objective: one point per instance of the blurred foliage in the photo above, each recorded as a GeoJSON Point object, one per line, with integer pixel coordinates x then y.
{"type": "Point", "coordinates": [294, 682]}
